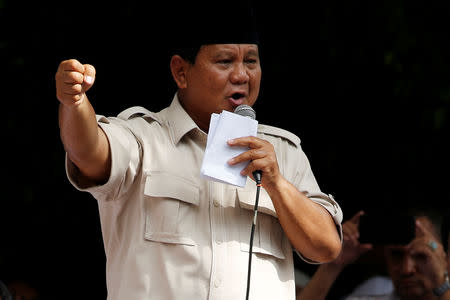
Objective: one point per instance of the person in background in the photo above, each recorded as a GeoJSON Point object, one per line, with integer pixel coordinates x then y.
{"type": "Point", "coordinates": [18, 290]}
{"type": "Point", "coordinates": [326, 274]}
{"type": "Point", "coordinates": [417, 270]}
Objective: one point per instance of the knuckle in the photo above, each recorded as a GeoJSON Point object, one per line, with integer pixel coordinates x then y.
{"type": "Point", "coordinates": [89, 69]}
{"type": "Point", "coordinates": [74, 98]}
{"type": "Point", "coordinates": [273, 159]}
{"type": "Point", "coordinates": [71, 64]}
{"type": "Point", "coordinates": [58, 76]}
{"type": "Point", "coordinates": [76, 88]}
{"type": "Point", "coordinates": [254, 154]}
{"type": "Point", "coordinates": [75, 77]}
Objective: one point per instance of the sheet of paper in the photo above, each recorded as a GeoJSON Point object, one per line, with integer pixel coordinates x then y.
{"type": "Point", "coordinates": [224, 127]}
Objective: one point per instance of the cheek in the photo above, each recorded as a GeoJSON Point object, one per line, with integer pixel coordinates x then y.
{"type": "Point", "coordinates": [217, 81]}
{"type": "Point", "coordinates": [255, 82]}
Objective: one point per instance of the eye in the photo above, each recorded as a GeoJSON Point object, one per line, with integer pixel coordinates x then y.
{"type": "Point", "coordinates": [225, 61]}
{"type": "Point", "coordinates": [395, 254]}
{"type": "Point", "coordinates": [420, 256]}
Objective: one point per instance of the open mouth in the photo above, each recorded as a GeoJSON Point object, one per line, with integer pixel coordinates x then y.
{"type": "Point", "coordinates": [237, 96]}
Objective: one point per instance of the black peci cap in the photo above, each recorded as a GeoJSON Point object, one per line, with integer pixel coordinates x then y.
{"type": "Point", "coordinates": [197, 23]}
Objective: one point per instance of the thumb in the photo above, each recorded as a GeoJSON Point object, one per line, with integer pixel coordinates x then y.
{"type": "Point", "coordinates": [89, 77]}
{"type": "Point", "coordinates": [357, 216]}
{"type": "Point", "coordinates": [420, 231]}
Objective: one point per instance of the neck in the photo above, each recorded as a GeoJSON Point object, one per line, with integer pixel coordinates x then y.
{"type": "Point", "coordinates": [201, 121]}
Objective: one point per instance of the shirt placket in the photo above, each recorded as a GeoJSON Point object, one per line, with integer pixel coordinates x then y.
{"type": "Point", "coordinates": [218, 245]}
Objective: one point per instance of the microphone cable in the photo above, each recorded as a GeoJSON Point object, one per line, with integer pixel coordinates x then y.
{"type": "Point", "coordinates": [257, 176]}
{"type": "Point", "coordinates": [247, 111]}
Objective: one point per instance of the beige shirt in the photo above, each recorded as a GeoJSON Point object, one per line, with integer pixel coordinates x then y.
{"type": "Point", "coordinates": [169, 234]}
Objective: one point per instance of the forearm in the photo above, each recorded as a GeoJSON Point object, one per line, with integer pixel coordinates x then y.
{"type": "Point", "coordinates": [85, 143]}
{"type": "Point", "coordinates": [320, 283]}
{"type": "Point", "coordinates": [308, 225]}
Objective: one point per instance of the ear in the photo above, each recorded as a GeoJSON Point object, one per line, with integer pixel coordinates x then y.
{"type": "Point", "coordinates": [179, 67]}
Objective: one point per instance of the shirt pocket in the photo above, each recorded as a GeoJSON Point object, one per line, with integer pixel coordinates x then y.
{"type": "Point", "coordinates": [169, 208]}
{"type": "Point", "coordinates": [268, 236]}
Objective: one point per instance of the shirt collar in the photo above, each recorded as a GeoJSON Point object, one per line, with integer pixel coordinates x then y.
{"type": "Point", "coordinates": [179, 121]}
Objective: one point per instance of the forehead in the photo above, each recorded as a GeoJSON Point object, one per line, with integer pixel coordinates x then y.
{"type": "Point", "coordinates": [391, 251]}
{"type": "Point", "coordinates": [396, 248]}
{"type": "Point", "coordinates": [230, 48]}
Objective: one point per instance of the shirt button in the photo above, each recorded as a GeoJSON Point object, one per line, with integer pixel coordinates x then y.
{"type": "Point", "coordinates": [216, 202]}
{"type": "Point", "coordinates": [217, 282]}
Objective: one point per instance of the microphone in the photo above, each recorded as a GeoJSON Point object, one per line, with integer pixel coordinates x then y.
{"type": "Point", "coordinates": [247, 111]}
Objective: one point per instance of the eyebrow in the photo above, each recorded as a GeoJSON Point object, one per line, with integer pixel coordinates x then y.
{"type": "Point", "coordinates": [253, 52]}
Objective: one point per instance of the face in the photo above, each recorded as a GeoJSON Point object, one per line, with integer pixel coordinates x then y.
{"type": "Point", "coordinates": [223, 77]}
{"type": "Point", "coordinates": [404, 268]}
{"type": "Point", "coordinates": [411, 266]}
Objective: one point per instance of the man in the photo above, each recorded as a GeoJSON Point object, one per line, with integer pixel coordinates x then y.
{"type": "Point", "coordinates": [168, 233]}
{"type": "Point", "coordinates": [417, 270]}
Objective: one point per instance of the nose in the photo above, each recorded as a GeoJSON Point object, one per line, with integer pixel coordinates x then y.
{"type": "Point", "coordinates": [408, 266]}
{"type": "Point", "coordinates": [239, 74]}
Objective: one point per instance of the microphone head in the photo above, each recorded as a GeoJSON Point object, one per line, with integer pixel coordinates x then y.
{"type": "Point", "coordinates": [245, 111]}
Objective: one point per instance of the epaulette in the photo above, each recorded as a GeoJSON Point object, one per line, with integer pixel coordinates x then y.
{"type": "Point", "coordinates": [138, 111]}
{"type": "Point", "coordinates": [275, 131]}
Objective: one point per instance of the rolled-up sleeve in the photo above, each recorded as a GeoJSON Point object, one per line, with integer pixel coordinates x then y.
{"type": "Point", "coordinates": [125, 157]}
{"type": "Point", "coordinates": [307, 183]}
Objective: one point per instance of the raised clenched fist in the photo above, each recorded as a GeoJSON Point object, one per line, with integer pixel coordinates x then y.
{"type": "Point", "coordinates": [73, 79]}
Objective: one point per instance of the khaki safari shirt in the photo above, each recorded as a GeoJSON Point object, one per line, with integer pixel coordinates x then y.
{"type": "Point", "coordinates": [169, 234]}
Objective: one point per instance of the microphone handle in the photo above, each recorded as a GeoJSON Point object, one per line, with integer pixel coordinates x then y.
{"type": "Point", "coordinates": [257, 175]}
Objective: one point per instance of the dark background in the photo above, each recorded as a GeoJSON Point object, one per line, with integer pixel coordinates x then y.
{"type": "Point", "coordinates": [365, 85]}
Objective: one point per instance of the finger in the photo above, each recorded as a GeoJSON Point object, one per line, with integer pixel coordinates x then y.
{"type": "Point", "coordinates": [252, 167]}
{"type": "Point", "coordinates": [73, 77]}
{"type": "Point", "coordinates": [249, 155]}
{"type": "Point", "coordinates": [72, 89]}
{"type": "Point", "coordinates": [71, 65]}
{"type": "Point", "coordinates": [354, 237]}
{"type": "Point", "coordinates": [351, 229]}
{"type": "Point", "coordinates": [421, 231]}
{"type": "Point", "coordinates": [89, 77]}
{"type": "Point", "coordinates": [355, 219]}
{"type": "Point", "coordinates": [249, 141]}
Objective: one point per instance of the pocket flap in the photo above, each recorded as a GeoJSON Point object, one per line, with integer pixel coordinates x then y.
{"type": "Point", "coordinates": [247, 200]}
{"type": "Point", "coordinates": [171, 186]}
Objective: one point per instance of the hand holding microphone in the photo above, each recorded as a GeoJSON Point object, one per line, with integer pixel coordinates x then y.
{"type": "Point", "coordinates": [261, 154]}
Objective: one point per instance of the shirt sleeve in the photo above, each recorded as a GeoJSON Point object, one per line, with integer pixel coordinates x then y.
{"type": "Point", "coordinates": [125, 162]}
{"type": "Point", "coordinates": [306, 183]}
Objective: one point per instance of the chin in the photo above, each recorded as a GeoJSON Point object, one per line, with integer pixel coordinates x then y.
{"type": "Point", "coordinates": [416, 292]}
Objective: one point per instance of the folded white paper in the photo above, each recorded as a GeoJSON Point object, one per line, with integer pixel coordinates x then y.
{"type": "Point", "coordinates": [223, 127]}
